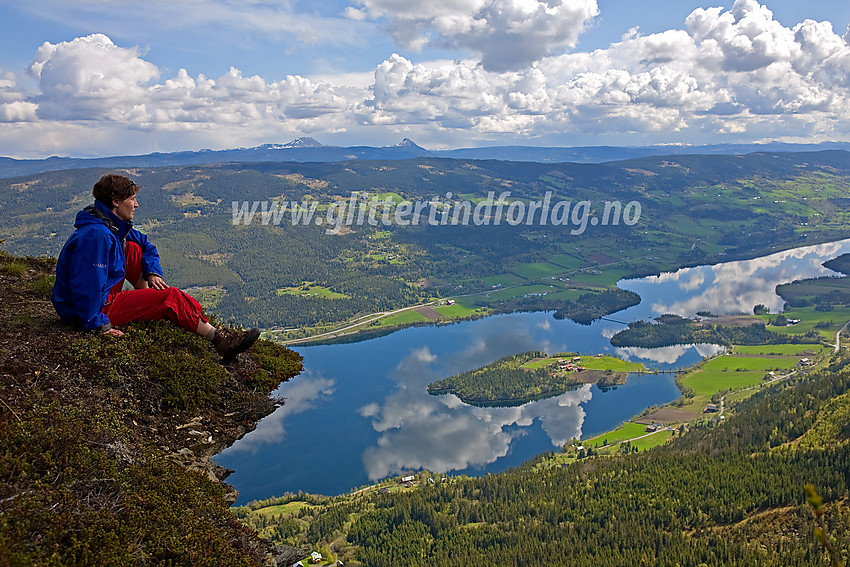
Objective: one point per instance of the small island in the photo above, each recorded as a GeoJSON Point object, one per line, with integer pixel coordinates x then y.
{"type": "Point", "coordinates": [528, 376]}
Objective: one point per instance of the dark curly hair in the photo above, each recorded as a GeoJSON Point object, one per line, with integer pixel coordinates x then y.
{"type": "Point", "coordinates": [113, 187]}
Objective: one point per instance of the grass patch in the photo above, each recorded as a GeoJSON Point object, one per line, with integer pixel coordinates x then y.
{"type": "Point", "coordinates": [730, 372]}
{"type": "Point", "coordinates": [456, 311]}
{"type": "Point", "coordinates": [695, 404]}
{"type": "Point", "coordinates": [686, 225]}
{"type": "Point", "coordinates": [654, 440]}
{"type": "Point", "coordinates": [732, 363]}
{"type": "Point", "coordinates": [502, 280]}
{"type": "Point", "coordinates": [403, 318]}
{"type": "Point", "coordinates": [521, 291]}
{"type": "Point", "coordinates": [590, 363]}
{"type": "Point", "coordinates": [601, 277]}
{"type": "Point", "coordinates": [566, 261]}
{"type": "Point", "coordinates": [537, 270]}
{"type": "Point", "coordinates": [42, 286]}
{"type": "Point", "coordinates": [628, 430]}
{"type": "Point", "coordinates": [276, 365]}
{"type": "Point", "coordinates": [567, 294]}
{"type": "Point", "coordinates": [14, 268]}
{"type": "Point", "coordinates": [826, 322]}
{"type": "Point", "coordinates": [812, 289]}
{"type": "Point", "coordinates": [539, 363]}
{"type": "Point", "coordinates": [788, 350]}
{"type": "Point", "coordinates": [708, 382]}
{"type": "Point", "coordinates": [208, 296]}
{"type": "Point", "coordinates": [611, 363]}
{"type": "Point", "coordinates": [311, 290]}
{"type": "Point", "coordinates": [736, 397]}
{"type": "Point", "coordinates": [288, 508]}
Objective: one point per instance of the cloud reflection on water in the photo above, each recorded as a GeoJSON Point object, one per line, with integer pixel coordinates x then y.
{"type": "Point", "coordinates": [441, 433]}
{"type": "Point", "coordinates": [301, 395]}
{"type": "Point", "coordinates": [736, 287]}
{"type": "Point", "coordinates": [666, 355]}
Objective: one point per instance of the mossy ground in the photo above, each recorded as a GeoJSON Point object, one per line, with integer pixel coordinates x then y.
{"type": "Point", "coordinates": [90, 426]}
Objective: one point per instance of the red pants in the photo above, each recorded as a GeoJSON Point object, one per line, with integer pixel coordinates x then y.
{"type": "Point", "coordinates": [150, 304]}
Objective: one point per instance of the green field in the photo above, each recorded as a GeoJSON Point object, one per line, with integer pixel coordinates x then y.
{"type": "Point", "coordinates": [403, 318]}
{"type": "Point", "coordinates": [606, 277]}
{"type": "Point", "coordinates": [729, 372]}
{"type": "Point", "coordinates": [456, 311]}
{"type": "Point", "coordinates": [628, 430]}
{"type": "Point", "coordinates": [502, 280]}
{"type": "Point", "coordinates": [740, 396]}
{"type": "Point", "coordinates": [724, 372]}
{"type": "Point", "coordinates": [394, 197]}
{"type": "Point", "coordinates": [567, 261]}
{"type": "Point", "coordinates": [591, 363]}
{"type": "Point", "coordinates": [537, 270]}
{"type": "Point", "coordinates": [310, 290]}
{"type": "Point", "coordinates": [657, 438]}
{"type": "Point", "coordinates": [288, 508]}
{"type": "Point", "coordinates": [522, 290]}
{"type": "Point", "coordinates": [611, 363]}
{"type": "Point", "coordinates": [792, 350]}
{"type": "Point", "coordinates": [707, 382]}
{"type": "Point", "coordinates": [732, 363]}
{"type": "Point", "coordinates": [809, 318]}
{"type": "Point", "coordinates": [409, 316]}
{"type": "Point", "coordinates": [812, 289]}
{"type": "Point", "coordinates": [566, 294]}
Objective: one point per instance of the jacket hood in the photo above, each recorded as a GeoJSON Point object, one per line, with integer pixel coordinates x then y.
{"type": "Point", "coordinates": [98, 213]}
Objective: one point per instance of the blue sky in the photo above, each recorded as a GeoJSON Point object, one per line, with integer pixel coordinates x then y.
{"type": "Point", "coordinates": [106, 77]}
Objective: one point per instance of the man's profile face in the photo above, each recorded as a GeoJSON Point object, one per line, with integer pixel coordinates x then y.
{"type": "Point", "coordinates": [125, 209]}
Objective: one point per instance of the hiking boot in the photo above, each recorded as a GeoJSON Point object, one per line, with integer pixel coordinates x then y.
{"type": "Point", "coordinates": [229, 343]}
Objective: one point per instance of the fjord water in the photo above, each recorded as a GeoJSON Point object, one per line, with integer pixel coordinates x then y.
{"type": "Point", "coordinates": [360, 412]}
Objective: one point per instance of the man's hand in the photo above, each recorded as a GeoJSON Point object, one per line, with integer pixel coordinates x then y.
{"type": "Point", "coordinates": [156, 282]}
{"type": "Point", "coordinates": [113, 332]}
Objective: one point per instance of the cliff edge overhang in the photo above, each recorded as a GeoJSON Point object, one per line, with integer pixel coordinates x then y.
{"type": "Point", "coordinates": [106, 443]}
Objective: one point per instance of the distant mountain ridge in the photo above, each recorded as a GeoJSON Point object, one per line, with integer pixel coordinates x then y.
{"type": "Point", "coordinates": [307, 149]}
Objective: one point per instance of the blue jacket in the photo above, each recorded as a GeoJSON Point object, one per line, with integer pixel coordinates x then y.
{"type": "Point", "coordinates": [92, 261]}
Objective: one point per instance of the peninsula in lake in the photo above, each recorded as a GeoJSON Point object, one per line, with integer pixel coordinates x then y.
{"type": "Point", "coordinates": [516, 380]}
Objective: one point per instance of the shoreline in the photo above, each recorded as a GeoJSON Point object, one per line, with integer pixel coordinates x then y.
{"type": "Point", "coordinates": [351, 331]}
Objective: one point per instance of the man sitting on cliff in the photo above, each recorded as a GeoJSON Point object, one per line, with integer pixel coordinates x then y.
{"type": "Point", "coordinates": [105, 250]}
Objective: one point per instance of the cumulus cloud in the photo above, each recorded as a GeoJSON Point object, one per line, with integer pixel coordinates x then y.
{"type": "Point", "coordinates": [13, 104]}
{"type": "Point", "coordinates": [736, 75]}
{"type": "Point", "coordinates": [506, 34]}
{"type": "Point", "coordinates": [729, 72]}
{"type": "Point", "coordinates": [91, 78]}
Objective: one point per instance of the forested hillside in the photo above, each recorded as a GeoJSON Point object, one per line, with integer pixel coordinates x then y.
{"type": "Point", "coordinates": [731, 494]}
{"type": "Point", "coordinates": [693, 209]}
